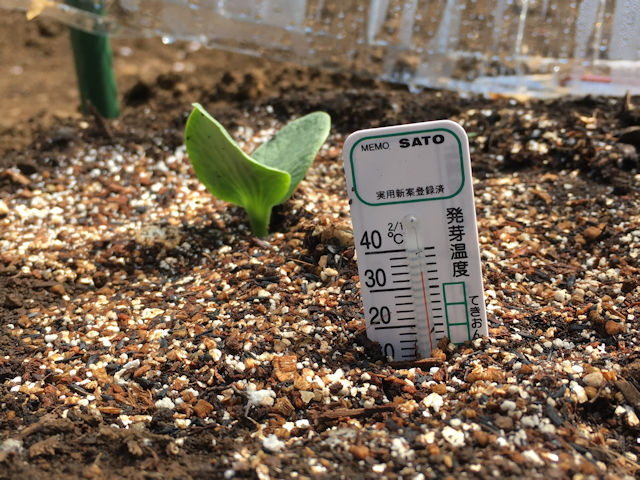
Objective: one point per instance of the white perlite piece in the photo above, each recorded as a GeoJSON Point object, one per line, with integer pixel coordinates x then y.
{"type": "Point", "coordinates": [117, 378]}
{"type": "Point", "coordinates": [400, 449]}
{"type": "Point", "coordinates": [453, 436]}
{"type": "Point", "coordinates": [533, 457]}
{"type": "Point", "coordinates": [262, 398]}
{"type": "Point", "coordinates": [434, 401]}
{"type": "Point", "coordinates": [166, 402]}
{"type": "Point", "coordinates": [11, 445]}
{"type": "Point", "coordinates": [530, 421]}
{"type": "Point", "coordinates": [272, 443]}
{"type": "Point", "coordinates": [580, 393]}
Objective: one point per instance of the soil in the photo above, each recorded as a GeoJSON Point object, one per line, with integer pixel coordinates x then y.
{"type": "Point", "coordinates": [145, 333]}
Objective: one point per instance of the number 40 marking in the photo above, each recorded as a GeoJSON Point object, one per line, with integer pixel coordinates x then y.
{"type": "Point", "coordinates": [371, 240]}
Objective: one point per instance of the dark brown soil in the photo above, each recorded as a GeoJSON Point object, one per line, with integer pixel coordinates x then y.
{"type": "Point", "coordinates": [557, 197]}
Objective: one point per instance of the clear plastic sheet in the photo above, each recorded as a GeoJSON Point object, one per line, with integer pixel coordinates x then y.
{"type": "Point", "coordinates": [534, 47]}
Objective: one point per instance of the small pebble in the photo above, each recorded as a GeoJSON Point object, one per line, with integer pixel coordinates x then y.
{"type": "Point", "coordinates": [359, 451]}
{"type": "Point", "coordinates": [58, 289]}
{"type": "Point", "coordinates": [508, 406]}
{"type": "Point", "coordinates": [592, 392]}
{"type": "Point", "coordinates": [504, 423]}
{"type": "Point", "coordinates": [632, 419]}
{"type": "Point", "coordinates": [594, 379]}
{"type": "Point", "coordinates": [481, 438]}
{"type": "Point", "coordinates": [591, 233]}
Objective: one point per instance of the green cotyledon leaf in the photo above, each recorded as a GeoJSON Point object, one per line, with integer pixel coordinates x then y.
{"type": "Point", "coordinates": [294, 147]}
{"type": "Point", "coordinates": [230, 174]}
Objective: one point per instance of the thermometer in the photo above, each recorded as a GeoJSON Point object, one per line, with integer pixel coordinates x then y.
{"type": "Point", "coordinates": [414, 224]}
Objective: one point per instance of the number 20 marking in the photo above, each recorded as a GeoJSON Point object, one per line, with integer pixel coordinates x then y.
{"type": "Point", "coordinates": [382, 314]}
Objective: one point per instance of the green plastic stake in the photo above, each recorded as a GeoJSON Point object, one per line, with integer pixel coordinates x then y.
{"type": "Point", "coordinates": [266, 178]}
{"type": "Point", "coordinates": [94, 66]}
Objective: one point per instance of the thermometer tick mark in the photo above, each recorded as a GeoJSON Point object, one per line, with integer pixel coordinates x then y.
{"type": "Point", "coordinates": [395, 327]}
{"type": "Point", "coordinates": [389, 289]}
{"type": "Point", "coordinates": [378, 252]}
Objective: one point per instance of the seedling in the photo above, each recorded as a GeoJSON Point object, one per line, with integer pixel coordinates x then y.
{"type": "Point", "coordinates": [266, 178]}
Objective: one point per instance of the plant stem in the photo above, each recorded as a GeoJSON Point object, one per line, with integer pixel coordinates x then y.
{"type": "Point", "coordinates": [94, 66]}
{"type": "Point", "coordinates": [259, 219]}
